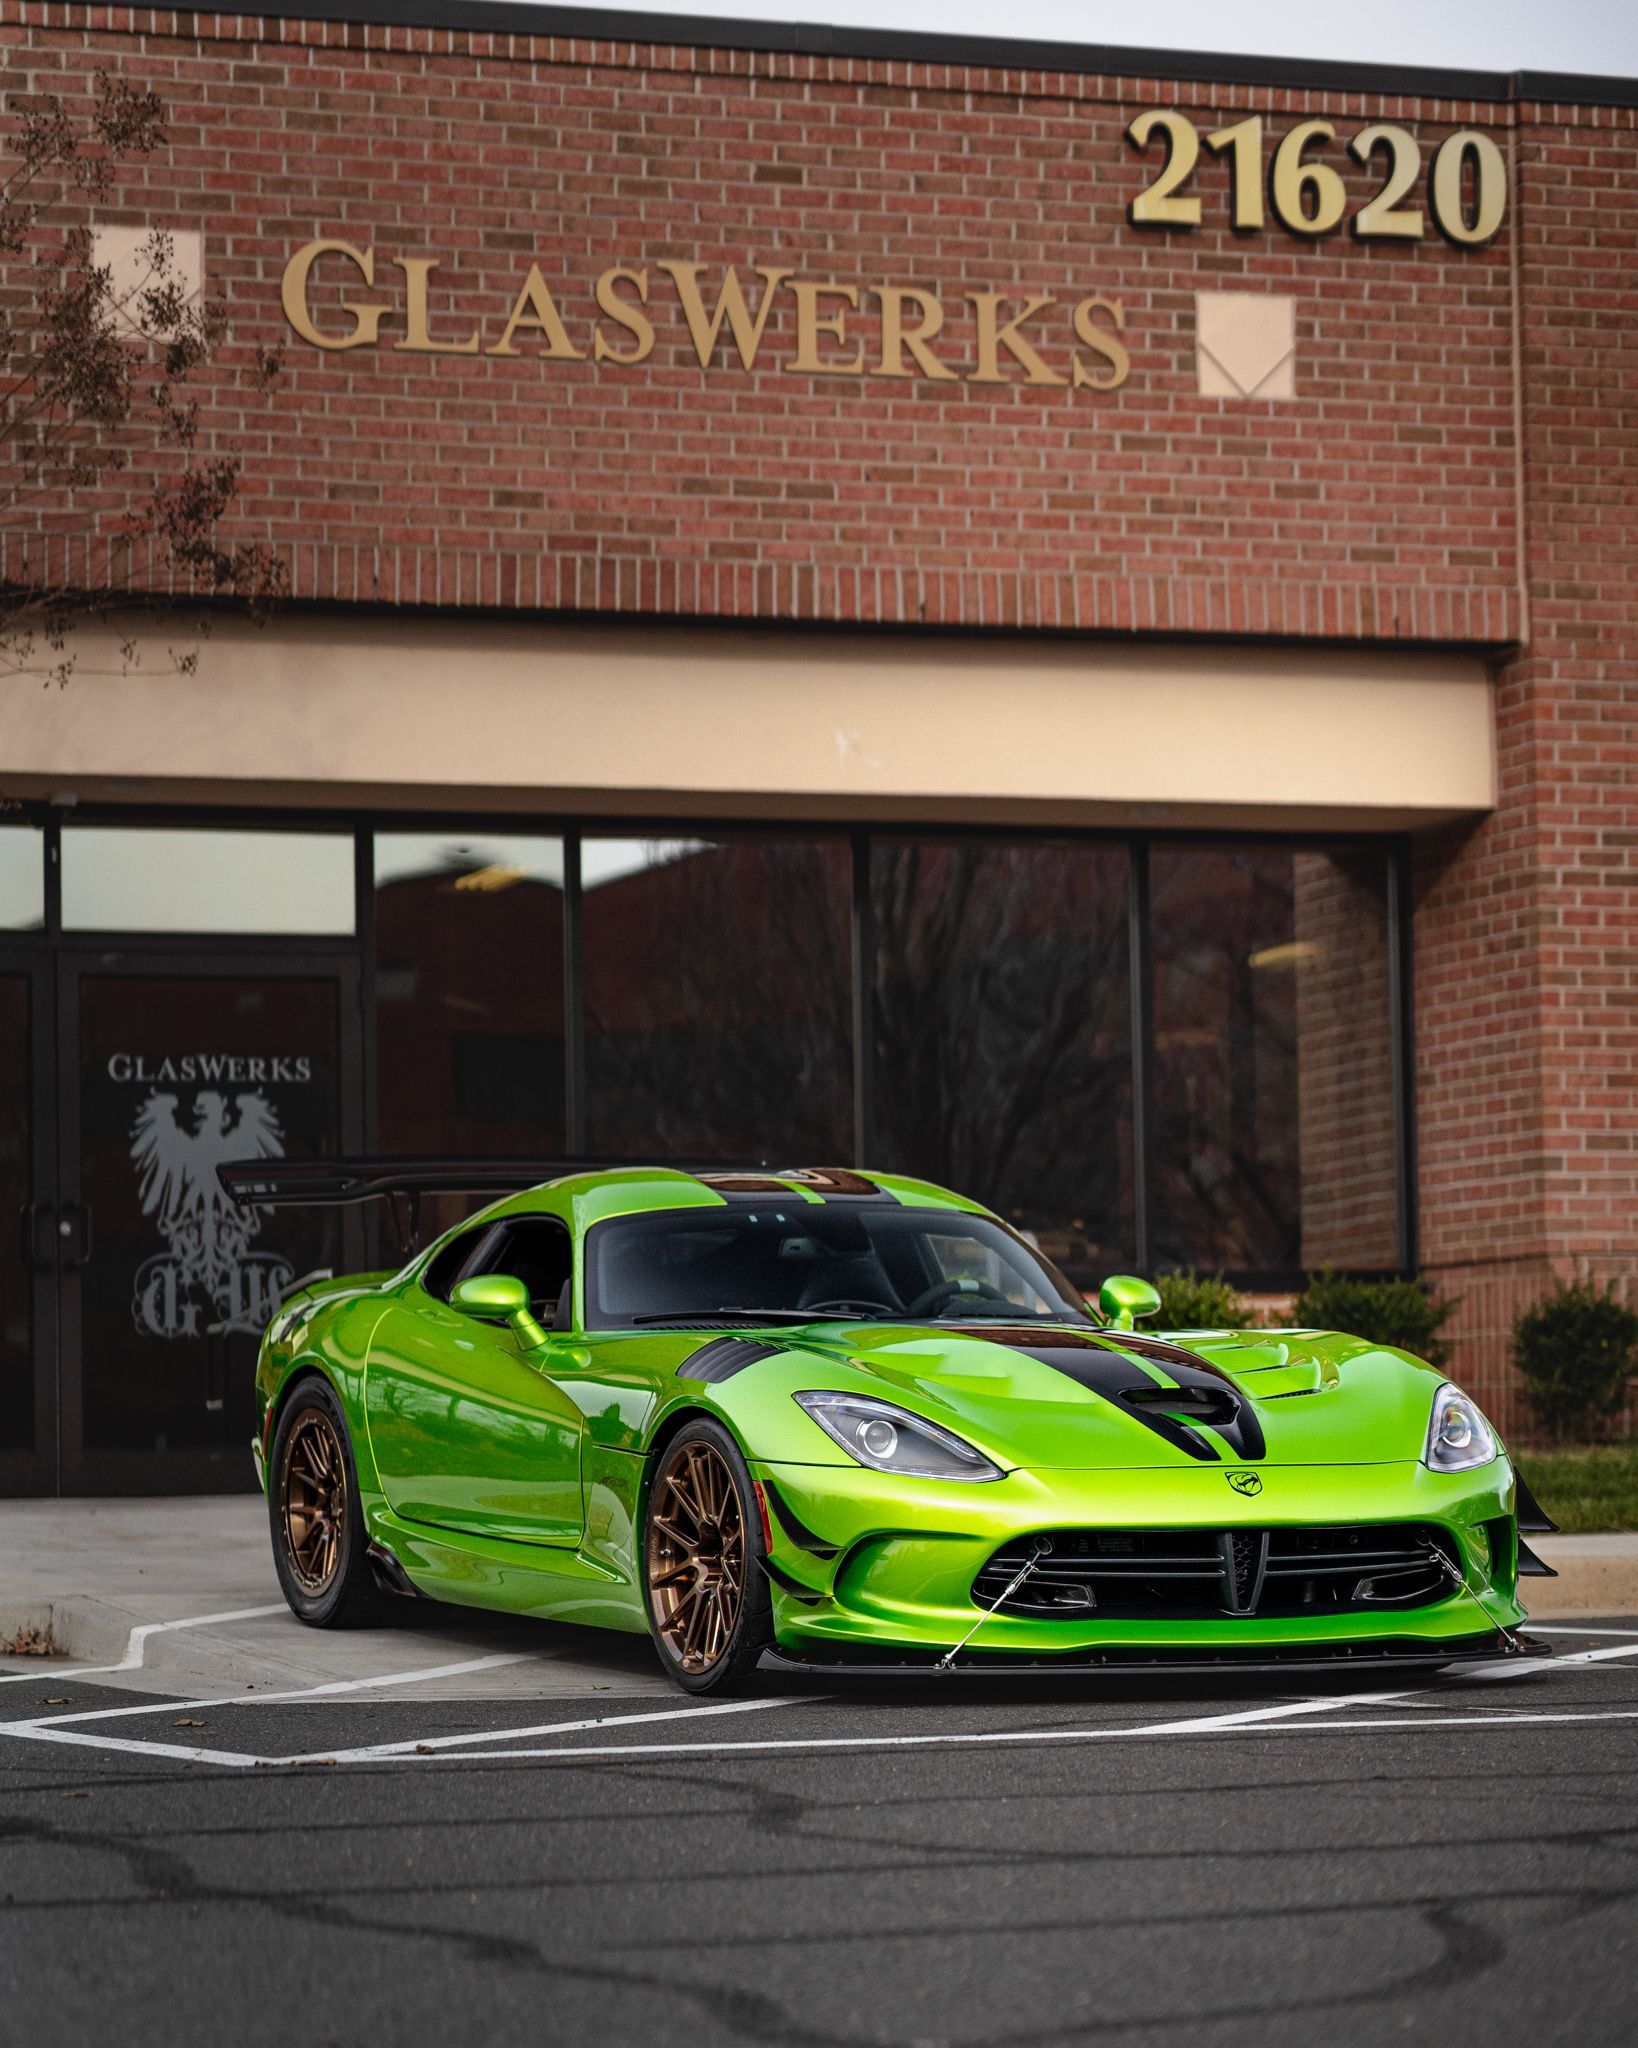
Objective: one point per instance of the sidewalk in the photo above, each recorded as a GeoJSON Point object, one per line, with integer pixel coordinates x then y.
{"type": "Point", "coordinates": [193, 1578]}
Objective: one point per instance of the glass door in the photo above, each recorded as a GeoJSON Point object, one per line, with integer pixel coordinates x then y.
{"type": "Point", "coordinates": [172, 1064]}
{"type": "Point", "coordinates": [28, 1231]}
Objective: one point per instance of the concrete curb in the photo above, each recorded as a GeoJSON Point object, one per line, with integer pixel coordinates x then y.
{"type": "Point", "coordinates": [1596, 1575]}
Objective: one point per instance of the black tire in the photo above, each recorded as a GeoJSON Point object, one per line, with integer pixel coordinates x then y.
{"type": "Point", "coordinates": [320, 1543]}
{"type": "Point", "coordinates": [709, 1630]}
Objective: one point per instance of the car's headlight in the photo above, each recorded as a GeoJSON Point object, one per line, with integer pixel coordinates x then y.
{"type": "Point", "coordinates": [888, 1440]}
{"type": "Point", "coordinates": [1458, 1435]}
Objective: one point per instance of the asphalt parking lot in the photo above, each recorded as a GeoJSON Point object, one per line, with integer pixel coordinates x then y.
{"type": "Point", "coordinates": [459, 1846]}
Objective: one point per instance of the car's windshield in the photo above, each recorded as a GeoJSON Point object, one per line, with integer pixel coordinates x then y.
{"type": "Point", "coordinates": [798, 1261]}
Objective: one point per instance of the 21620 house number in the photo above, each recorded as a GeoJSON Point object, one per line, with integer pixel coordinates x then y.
{"type": "Point", "coordinates": [1466, 182]}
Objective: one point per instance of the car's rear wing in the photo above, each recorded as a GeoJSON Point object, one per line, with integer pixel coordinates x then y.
{"type": "Point", "coordinates": [337, 1183]}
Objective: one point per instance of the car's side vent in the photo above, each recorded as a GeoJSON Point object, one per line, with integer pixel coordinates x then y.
{"type": "Point", "coordinates": [721, 1359]}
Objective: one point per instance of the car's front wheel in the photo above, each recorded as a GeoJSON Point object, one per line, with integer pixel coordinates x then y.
{"type": "Point", "coordinates": [709, 1608]}
{"type": "Point", "coordinates": [320, 1543]}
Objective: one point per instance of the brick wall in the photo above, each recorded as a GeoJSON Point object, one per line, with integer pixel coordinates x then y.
{"type": "Point", "coordinates": [1377, 503]}
{"type": "Point", "coordinates": [1527, 926]}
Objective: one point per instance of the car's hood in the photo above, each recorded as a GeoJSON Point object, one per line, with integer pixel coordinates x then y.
{"type": "Point", "coordinates": [1051, 1395]}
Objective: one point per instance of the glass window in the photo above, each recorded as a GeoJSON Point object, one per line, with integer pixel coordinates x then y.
{"type": "Point", "coordinates": [469, 994]}
{"type": "Point", "coordinates": [1273, 1068]}
{"type": "Point", "coordinates": [22, 878]}
{"type": "Point", "coordinates": [16, 1187]}
{"type": "Point", "coordinates": [778, 1256]}
{"type": "Point", "coordinates": [148, 880]}
{"type": "Point", "coordinates": [1003, 1035]}
{"type": "Point", "coordinates": [719, 998]}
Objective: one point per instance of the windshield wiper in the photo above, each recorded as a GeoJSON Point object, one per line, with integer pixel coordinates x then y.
{"type": "Point", "coordinates": [720, 1315]}
{"type": "Point", "coordinates": [1008, 1315]}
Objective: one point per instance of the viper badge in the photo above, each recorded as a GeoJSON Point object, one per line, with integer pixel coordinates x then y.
{"type": "Point", "coordinates": [1244, 1482]}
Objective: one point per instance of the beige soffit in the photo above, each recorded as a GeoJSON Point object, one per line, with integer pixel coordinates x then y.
{"type": "Point", "coordinates": [433, 714]}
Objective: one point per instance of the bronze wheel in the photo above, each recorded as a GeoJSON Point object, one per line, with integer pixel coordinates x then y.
{"type": "Point", "coordinates": [696, 1557]}
{"type": "Point", "coordinates": [313, 1501]}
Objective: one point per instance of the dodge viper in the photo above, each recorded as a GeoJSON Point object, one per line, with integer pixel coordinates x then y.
{"type": "Point", "coordinates": [828, 1419]}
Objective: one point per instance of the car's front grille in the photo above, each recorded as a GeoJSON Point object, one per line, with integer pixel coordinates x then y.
{"type": "Point", "coordinates": [1196, 1574]}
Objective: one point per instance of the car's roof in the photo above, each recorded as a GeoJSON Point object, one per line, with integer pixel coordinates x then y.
{"type": "Point", "coordinates": [592, 1196]}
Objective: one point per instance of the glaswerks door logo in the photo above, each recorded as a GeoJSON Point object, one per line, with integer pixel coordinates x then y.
{"type": "Point", "coordinates": [1244, 1482]}
{"type": "Point", "coordinates": [208, 1262]}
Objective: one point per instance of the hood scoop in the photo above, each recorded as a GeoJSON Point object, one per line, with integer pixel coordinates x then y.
{"type": "Point", "coordinates": [1192, 1405]}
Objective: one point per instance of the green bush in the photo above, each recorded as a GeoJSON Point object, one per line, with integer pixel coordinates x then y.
{"type": "Point", "coordinates": [1199, 1301]}
{"type": "Point", "coordinates": [1398, 1312]}
{"type": "Point", "coordinates": [1574, 1351]}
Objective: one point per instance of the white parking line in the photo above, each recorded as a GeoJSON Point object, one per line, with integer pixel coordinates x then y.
{"type": "Point", "coordinates": [378, 1751]}
{"type": "Point", "coordinates": [328, 1690]}
{"type": "Point", "coordinates": [1299, 1716]}
{"type": "Point", "coordinates": [136, 1645]}
{"type": "Point", "coordinates": [1434, 1724]}
{"type": "Point", "coordinates": [1554, 1628]}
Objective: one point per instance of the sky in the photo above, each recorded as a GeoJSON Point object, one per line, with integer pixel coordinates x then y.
{"type": "Point", "coordinates": [1473, 35]}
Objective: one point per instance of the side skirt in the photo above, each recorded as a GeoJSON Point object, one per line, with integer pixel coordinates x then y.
{"type": "Point", "coordinates": [509, 1578]}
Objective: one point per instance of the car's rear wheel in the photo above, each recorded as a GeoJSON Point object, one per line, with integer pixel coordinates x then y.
{"type": "Point", "coordinates": [320, 1543]}
{"type": "Point", "coordinates": [709, 1609]}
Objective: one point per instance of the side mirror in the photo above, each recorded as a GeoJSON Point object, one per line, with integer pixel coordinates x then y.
{"type": "Point", "coordinates": [497, 1297]}
{"type": "Point", "coordinates": [1123, 1298]}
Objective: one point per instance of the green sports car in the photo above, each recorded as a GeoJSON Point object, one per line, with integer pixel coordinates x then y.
{"type": "Point", "coordinates": [824, 1419]}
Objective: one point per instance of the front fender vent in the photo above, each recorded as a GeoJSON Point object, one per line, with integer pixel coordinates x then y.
{"type": "Point", "coordinates": [722, 1359]}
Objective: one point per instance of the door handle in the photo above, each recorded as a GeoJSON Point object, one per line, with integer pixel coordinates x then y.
{"type": "Point", "coordinates": [37, 1215]}
{"type": "Point", "coordinates": [75, 1229]}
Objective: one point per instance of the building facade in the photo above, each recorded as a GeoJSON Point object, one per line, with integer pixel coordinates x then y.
{"type": "Point", "coordinates": [1055, 618]}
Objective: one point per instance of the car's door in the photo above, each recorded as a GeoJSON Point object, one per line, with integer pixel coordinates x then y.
{"type": "Point", "coordinates": [467, 1431]}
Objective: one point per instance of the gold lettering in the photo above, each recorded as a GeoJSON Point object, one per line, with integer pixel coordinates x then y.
{"type": "Point", "coordinates": [995, 334]}
{"type": "Point", "coordinates": [536, 308]}
{"type": "Point", "coordinates": [366, 319]}
{"type": "Point", "coordinates": [704, 327]}
{"type": "Point", "coordinates": [625, 316]}
{"type": "Point", "coordinates": [810, 324]}
{"type": "Point", "coordinates": [1109, 346]}
{"type": "Point", "coordinates": [417, 269]}
{"type": "Point", "coordinates": [896, 337]}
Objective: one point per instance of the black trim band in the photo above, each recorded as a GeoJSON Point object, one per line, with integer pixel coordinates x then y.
{"type": "Point", "coordinates": [994, 53]}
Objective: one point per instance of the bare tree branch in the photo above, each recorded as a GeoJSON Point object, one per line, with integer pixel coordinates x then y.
{"type": "Point", "coordinates": [95, 383]}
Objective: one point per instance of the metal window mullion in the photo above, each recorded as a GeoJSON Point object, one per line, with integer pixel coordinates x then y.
{"type": "Point", "coordinates": [1140, 974]}
{"type": "Point", "coordinates": [1401, 1028]}
{"type": "Point", "coordinates": [574, 1002]}
{"type": "Point", "coordinates": [864, 1003]}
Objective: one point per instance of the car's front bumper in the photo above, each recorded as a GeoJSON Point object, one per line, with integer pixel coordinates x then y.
{"type": "Point", "coordinates": [862, 1563]}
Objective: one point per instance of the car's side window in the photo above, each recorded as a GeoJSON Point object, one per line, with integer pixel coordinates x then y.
{"type": "Point", "coordinates": [450, 1264]}
{"type": "Point", "coordinates": [537, 1251]}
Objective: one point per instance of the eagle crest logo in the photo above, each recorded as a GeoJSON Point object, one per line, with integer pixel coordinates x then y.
{"type": "Point", "coordinates": [208, 1261]}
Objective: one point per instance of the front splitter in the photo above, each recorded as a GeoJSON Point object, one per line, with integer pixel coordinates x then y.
{"type": "Point", "coordinates": [1137, 1663]}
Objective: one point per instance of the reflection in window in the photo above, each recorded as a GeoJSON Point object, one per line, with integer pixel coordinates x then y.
{"type": "Point", "coordinates": [718, 998]}
{"type": "Point", "coordinates": [22, 879]}
{"type": "Point", "coordinates": [469, 994]}
{"type": "Point", "coordinates": [16, 1187]}
{"type": "Point", "coordinates": [1003, 1035]}
{"type": "Point", "coordinates": [1273, 1075]}
{"type": "Point", "coordinates": [144, 880]}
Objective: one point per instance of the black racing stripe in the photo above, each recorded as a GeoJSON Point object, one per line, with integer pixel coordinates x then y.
{"type": "Point", "coordinates": [1108, 1375]}
{"type": "Point", "coordinates": [1205, 1400]}
{"type": "Point", "coordinates": [723, 1357]}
